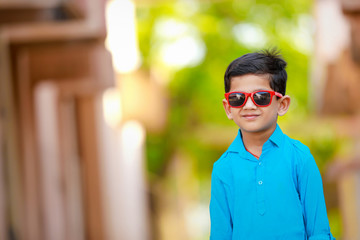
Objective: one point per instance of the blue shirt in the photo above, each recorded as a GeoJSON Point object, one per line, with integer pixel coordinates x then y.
{"type": "Point", "coordinates": [280, 196]}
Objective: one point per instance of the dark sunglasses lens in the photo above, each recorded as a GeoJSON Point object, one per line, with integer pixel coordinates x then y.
{"type": "Point", "coordinates": [236, 99]}
{"type": "Point", "coordinates": [262, 98]}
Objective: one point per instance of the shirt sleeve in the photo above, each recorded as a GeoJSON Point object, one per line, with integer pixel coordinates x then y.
{"type": "Point", "coordinates": [221, 223]}
{"type": "Point", "coordinates": [313, 202]}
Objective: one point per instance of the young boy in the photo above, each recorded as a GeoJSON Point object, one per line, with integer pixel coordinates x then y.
{"type": "Point", "coordinates": [266, 186]}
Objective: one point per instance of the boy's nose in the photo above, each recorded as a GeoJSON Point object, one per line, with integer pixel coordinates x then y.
{"type": "Point", "coordinates": [249, 104]}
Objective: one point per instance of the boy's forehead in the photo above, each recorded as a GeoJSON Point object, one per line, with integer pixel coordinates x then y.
{"type": "Point", "coordinates": [250, 82]}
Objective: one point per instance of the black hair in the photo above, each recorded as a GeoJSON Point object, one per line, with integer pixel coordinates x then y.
{"type": "Point", "coordinates": [266, 62]}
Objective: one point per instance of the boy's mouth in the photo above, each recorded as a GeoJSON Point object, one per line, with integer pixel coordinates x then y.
{"type": "Point", "coordinates": [250, 116]}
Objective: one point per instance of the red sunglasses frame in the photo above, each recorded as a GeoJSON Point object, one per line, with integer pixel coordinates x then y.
{"type": "Point", "coordinates": [272, 93]}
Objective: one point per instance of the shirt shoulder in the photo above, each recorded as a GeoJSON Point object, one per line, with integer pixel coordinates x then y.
{"type": "Point", "coordinates": [299, 147]}
{"type": "Point", "coordinates": [300, 152]}
{"type": "Point", "coordinates": [222, 167]}
{"type": "Point", "coordinates": [222, 162]}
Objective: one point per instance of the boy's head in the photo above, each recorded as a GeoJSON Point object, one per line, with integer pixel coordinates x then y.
{"type": "Point", "coordinates": [267, 62]}
{"type": "Point", "coordinates": [255, 91]}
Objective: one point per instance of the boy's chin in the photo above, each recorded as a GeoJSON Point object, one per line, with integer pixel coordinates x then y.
{"type": "Point", "coordinates": [257, 129]}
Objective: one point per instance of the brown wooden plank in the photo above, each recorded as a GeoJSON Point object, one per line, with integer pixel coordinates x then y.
{"type": "Point", "coordinates": [90, 167]}
{"type": "Point", "coordinates": [70, 164]}
{"type": "Point", "coordinates": [11, 150]}
{"type": "Point", "coordinates": [28, 146]}
{"type": "Point", "coordinates": [351, 6]}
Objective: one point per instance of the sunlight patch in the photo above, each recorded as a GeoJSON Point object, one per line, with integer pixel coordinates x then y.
{"type": "Point", "coordinates": [179, 44]}
{"type": "Point", "coordinates": [250, 35]}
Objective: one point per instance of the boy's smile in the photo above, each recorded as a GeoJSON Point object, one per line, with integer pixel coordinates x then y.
{"type": "Point", "coordinates": [250, 117]}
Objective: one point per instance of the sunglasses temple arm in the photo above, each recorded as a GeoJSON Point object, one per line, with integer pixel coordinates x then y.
{"type": "Point", "coordinates": [278, 94]}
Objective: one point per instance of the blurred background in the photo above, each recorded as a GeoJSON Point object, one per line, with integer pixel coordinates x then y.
{"type": "Point", "coordinates": [111, 115]}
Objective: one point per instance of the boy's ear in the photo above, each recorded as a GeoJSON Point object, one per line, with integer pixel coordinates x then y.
{"type": "Point", "coordinates": [227, 109]}
{"type": "Point", "coordinates": [284, 105]}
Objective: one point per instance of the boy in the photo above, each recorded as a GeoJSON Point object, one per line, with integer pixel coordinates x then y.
{"type": "Point", "coordinates": [266, 186]}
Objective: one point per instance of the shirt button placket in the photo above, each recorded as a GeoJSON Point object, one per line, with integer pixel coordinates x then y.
{"type": "Point", "coordinates": [260, 198]}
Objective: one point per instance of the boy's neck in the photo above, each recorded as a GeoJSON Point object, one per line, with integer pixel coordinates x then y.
{"type": "Point", "coordinates": [254, 142]}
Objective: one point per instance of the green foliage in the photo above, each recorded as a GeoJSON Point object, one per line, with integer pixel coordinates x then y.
{"type": "Point", "coordinates": [334, 216]}
{"type": "Point", "coordinates": [196, 91]}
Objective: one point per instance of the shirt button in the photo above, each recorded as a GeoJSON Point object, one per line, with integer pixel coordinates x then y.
{"type": "Point", "coordinates": [260, 182]}
{"type": "Point", "coordinates": [259, 163]}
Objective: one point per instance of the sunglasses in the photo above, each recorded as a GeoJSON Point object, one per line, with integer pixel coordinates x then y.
{"type": "Point", "coordinates": [260, 98]}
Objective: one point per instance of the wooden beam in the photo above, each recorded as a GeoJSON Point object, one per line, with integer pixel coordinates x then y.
{"type": "Point", "coordinates": [90, 163]}
{"type": "Point", "coordinates": [350, 6]}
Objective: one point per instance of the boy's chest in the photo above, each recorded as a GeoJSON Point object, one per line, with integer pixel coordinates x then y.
{"type": "Point", "coordinates": [271, 173]}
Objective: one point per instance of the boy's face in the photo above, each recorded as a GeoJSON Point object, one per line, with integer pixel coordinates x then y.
{"type": "Point", "coordinates": [250, 117]}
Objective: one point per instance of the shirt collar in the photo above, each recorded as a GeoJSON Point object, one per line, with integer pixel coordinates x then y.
{"type": "Point", "coordinates": [277, 136]}
{"type": "Point", "coordinates": [238, 146]}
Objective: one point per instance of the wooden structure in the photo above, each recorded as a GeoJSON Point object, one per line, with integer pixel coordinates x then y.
{"type": "Point", "coordinates": [337, 74]}
{"type": "Point", "coordinates": [53, 68]}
